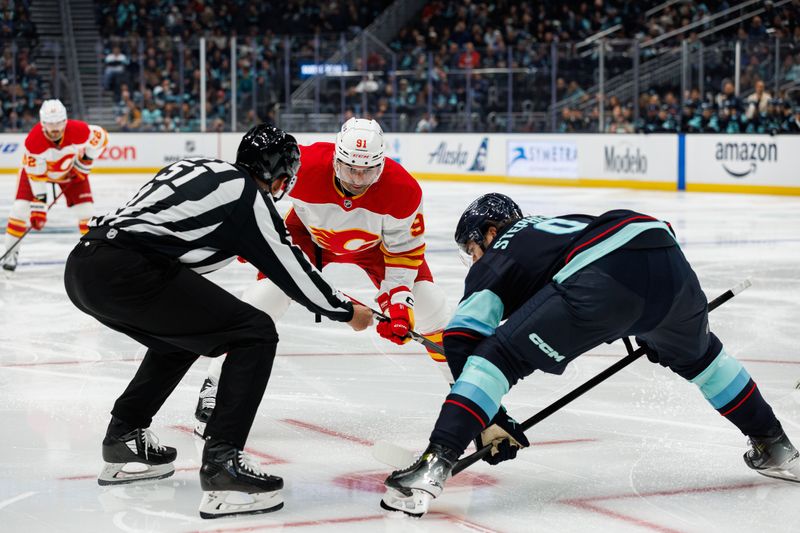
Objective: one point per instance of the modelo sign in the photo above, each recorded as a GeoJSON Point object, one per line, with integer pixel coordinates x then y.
{"type": "Point", "coordinates": [623, 158]}
{"type": "Point", "coordinates": [542, 159]}
{"type": "Point", "coordinates": [742, 160]}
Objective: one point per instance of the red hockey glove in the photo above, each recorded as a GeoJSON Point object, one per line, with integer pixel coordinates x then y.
{"type": "Point", "coordinates": [398, 305]}
{"type": "Point", "coordinates": [38, 213]}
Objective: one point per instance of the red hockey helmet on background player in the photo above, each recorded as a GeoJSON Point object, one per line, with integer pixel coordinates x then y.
{"type": "Point", "coordinates": [359, 154]}
{"type": "Point", "coordinates": [53, 116]}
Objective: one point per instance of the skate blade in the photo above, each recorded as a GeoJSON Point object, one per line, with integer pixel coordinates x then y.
{"type": "Point", "coordinates": [218, 504]}
{"type": "Point", "coordinates": [415, 505]}
{"type": "Point", "coordinates": [122, 473]}
{"type": "Point", "coordinates": [200, 429]}
{"type": "Point", "coordinates": [792, 475]}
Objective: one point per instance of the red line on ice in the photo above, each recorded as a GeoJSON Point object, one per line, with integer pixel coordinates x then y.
{"type": "Point", "coordinates": [78, 362]}
{"type": "Point", "coordinates": [619, 516]}
{"type": "Point", "coordinates": [586, 503]}
{"type": "Point", "coordinates": [326, 431]}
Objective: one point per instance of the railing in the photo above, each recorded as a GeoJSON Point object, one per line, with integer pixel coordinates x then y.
{"type": "Point", "coordinates": [237, 82]}
{"type": "Point", "coordinates": [73, 72]}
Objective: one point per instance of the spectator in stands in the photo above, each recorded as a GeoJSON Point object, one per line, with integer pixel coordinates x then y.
{"type": "Point", "coordinates": [152, 118]}
{"type": "Point", "coordinates": [619, 124]}
{"type": "Point", "coordinates": [792, 124]}
{"type": "Point", "coordinates": [469, 58]}
{"type": "Point", "coordinates": [728, 94]}
{"type": "Point", "coordinates": [706, 121]}
{"type": "Point", "coordinates": [758, 101]}
{"type": "Point", "coordinates": [115, 73]}
{"type": "Point", "coordinates": [426, 124]}
{"type": "Point", "coordinates": [731, 120]}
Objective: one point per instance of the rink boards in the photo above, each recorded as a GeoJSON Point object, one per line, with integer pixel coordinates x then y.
{"type": "Point", "coordinates": [710, 163]}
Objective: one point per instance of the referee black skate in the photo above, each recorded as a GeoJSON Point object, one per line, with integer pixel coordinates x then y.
{"type": "Point", "coordinates": [139, 271]}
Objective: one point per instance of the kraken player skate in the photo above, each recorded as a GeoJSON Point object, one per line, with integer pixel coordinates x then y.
{"type": "Point", "coordinates": [411, 490]}
{"type": "Point", "coordinates": [774, 457]}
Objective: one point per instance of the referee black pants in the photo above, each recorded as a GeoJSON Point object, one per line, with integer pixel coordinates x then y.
{"type": "Point", "coordinates": [179, 315]}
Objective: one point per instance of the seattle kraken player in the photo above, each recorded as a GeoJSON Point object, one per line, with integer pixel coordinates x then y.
{"type": "Point", "coordinates": [565, 285]}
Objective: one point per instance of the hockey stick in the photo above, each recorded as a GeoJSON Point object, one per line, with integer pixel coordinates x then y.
{"type": "Point", "coordinates": [413, 335]}
{"type": "Point", "coordinates": [579, 391]}
{"type": "Point", "coordinates": [16, 243]}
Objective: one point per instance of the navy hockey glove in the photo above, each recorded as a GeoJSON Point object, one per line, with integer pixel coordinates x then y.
{"type": "Point", "coordinates": [506, 437]}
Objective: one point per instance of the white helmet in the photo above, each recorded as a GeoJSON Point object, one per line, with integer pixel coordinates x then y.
{"type": "Point", "coordinates": [359, 154]}
{"type": "Point", "coordinates": [52, 111]}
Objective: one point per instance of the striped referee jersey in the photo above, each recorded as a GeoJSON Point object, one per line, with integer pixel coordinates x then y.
{"type": "Point", "coordinates": [205, 212]}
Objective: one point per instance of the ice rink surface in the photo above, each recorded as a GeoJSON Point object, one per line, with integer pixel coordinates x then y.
{"type": "Point", "coordinates": [642, 452]}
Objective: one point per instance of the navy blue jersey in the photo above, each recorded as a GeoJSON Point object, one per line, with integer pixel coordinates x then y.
{"type": "Point", "coordinates": [535, 251]}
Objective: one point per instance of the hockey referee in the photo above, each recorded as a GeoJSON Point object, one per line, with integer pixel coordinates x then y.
{"type": "Point", "coordinates": [139, 271]}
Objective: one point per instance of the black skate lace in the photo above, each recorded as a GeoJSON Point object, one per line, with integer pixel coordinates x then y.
{"type": "Point", "coordinates": [249, 464]}
{"type": "Point", "coordinates": [151, 442]}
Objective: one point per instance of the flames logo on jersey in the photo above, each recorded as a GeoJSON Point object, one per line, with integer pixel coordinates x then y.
{"type": "Point", "coordinates": [346, 241]}
{"type": "Point", "coordinates": [57, 169]}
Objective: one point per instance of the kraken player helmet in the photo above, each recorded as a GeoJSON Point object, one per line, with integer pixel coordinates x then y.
{"type": "Point", "coordinates": [489, 210]}
{"type": "Point", "coordinates": [270, 153]}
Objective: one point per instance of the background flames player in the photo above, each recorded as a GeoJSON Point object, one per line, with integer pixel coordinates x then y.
{"type": "Point", "coordinates": [352, 205]}
{"type": "Point", "coordinates": [57, 150]}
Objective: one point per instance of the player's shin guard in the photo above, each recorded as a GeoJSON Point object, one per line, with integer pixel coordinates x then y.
{"type": "Point", "coordinates": [472, 403]}
{"type": "Point", "coordinates": [730, 390]}
{"type": "Point", "coordinates": [432, 313]}
{"type": "Point", "coordinates": [83, 212]}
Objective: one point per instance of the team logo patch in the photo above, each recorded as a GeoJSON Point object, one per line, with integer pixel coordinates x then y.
{"type": "Point", "coordinates": [348, 204]}
{"type": "Point", "coordinates": [111, 233]}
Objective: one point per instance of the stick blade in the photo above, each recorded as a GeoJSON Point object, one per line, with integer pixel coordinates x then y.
{"type": "Point", "coordinates": [391, 454]}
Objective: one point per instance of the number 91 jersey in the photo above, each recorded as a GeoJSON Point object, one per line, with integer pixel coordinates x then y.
{"type": "Point", "coordinates": [388, 214]}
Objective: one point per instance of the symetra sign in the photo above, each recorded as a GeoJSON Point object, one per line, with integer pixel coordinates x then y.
{"type": "Point", "coordinates": [547, 159]}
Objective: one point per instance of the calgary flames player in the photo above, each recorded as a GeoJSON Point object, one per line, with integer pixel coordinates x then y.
{"type": "Point", "coordinates": [57, 150]}
{"type": "Point", "coordinates": [352, 205]}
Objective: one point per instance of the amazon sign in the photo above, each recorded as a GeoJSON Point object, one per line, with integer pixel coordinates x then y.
{"type": "Point", "coordinates": [742, 160]}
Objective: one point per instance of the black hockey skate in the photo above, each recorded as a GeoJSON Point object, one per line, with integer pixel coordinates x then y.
{"type": "Point", "coordinates": [411, 490]}
{"type": "Point", "coordinates": [206, 401]}
{"type": "Point", "coordinates": [135, 456]}
{"type": "Point", "coordinates": [233, 483]}
{"type": "Point", "coordinates": [9, 263]}
{"type": "Point", "coordinates": [774, 457]}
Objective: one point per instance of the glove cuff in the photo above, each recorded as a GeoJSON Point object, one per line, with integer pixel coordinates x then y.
{"type": "Point", "coordinates": [399, 295]}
